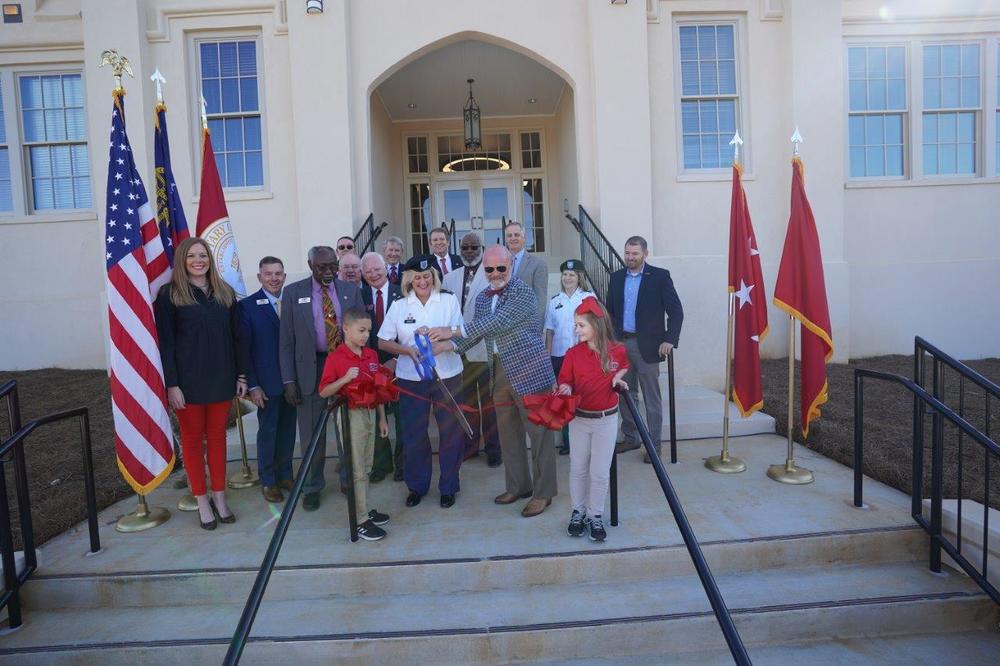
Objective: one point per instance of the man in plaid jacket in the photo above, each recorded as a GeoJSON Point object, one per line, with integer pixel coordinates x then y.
{"type": "Point", "coordinates": [506, 318]}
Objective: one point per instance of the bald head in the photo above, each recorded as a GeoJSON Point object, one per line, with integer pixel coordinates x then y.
{"type": "Point", "coordinates": [497, 266]}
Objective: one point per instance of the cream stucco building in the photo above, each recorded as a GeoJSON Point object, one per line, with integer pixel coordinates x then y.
{"type": "Point", "coordinates": [626, 108]}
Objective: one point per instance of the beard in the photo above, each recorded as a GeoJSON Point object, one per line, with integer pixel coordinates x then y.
{"type": "Point", "coordinates": [475, 262]}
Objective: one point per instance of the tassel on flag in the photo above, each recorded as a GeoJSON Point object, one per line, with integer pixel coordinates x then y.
{"type": "Point", "coordinates": [746, 283]}
{"type": "Point", "coordinates": [213, 220]}
{"type": "Point", "coordinates": [801, 292]}
{"type": "Point", "coordinates": [169, 211]}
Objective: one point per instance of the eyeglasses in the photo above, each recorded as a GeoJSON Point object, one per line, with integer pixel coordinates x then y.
{"type": "Point", "coordinates": [345, 247]}
{"type": "Point", "coordinates": [498, 269]}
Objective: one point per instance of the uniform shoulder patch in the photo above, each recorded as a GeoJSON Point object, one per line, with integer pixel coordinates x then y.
{"type": "Point", "coordinates": [447, 291]}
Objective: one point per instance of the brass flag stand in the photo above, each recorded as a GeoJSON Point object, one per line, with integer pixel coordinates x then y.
{"type": "Point", "coordinates": [789, 473]}
{"type": "Point", "coordinates": [724, 463]}
{"type": "Point", "coordinates": [245, 477]}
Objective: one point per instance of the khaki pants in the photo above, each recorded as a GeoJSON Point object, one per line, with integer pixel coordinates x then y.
{"type": "Point", "coordinates": [513, 424]}
{"type": "Point", "coordinates": [593, 446]}
{"type": "Point", "coordinates": [362, 427]}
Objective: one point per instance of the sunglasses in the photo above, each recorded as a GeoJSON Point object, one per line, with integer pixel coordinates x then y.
{"type": "Point", "coordinates": [470, 247]}
{"type": "Point", "coordinates": [345, 247]}
{"type": "Point", "coordinates": [498, 269]}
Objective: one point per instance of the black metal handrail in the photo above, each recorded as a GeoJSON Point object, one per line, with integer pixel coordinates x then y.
{"type": "Point", "coordinates": [596, 253]}
{"type": "Point", "coordinates": [722, 615]}
{"type": "Point", "coordinates": [924, 400]}
{"type": "Point", "coordinates": [14, 445]}
{"type": "Point", "coordinates": [452, 238]}
{"type": "Point", "coordinates": [242, 632]}
{"type": "Point", "coordinates": [369, 232]}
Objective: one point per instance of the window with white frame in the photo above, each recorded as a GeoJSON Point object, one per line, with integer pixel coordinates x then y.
{"type": "Point", "coordinates": [951, 79]}
{"type": "Point", "coordinates": [709, 93]}
{"type": "Point", "coordinates": [877, 110]}
{"type": "Point", "coordinates": [230, 86]}
{"type": "Point", "coordinates": [54, 136]}
{"type": "Point", "coordinates": [6, 192]}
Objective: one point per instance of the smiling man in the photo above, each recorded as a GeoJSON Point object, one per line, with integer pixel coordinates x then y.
{"type": "Point", "coordinates": [310, 329]}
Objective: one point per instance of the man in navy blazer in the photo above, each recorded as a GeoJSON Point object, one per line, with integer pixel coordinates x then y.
{"type": "Point", "coordinates": [378, 294]}
{"type": "Point", "coordinates": [639, 296]}
{"type": "Point", "coordinates": [257, 337]}
{"type": "Point", "coordinates": [446, 261]}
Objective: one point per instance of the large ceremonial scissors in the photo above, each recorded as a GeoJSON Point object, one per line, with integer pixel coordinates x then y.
{"type": "Point", "coordinates": [427, 369]}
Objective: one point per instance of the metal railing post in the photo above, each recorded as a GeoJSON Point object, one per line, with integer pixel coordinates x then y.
{"type": "Point", "coordinates": [88, 481]}
{"type": "Point", "coordinates": [673, 410]}
{"type": "Point", "coordinates": [937, 473]}
{"type": "Point", "coordinates": [347, 462]}
{"type": "Point", "coordinates": [859, 405]}
{"type": "Point", "coordinates": [613, 489]}
{"type": "Point", "coordinates": [10, 578]}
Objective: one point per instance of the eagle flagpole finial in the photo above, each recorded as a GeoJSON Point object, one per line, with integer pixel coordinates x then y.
{"type": "Point", "coordinates": [119, 64]}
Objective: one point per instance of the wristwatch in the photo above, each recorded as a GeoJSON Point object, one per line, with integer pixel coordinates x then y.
{"type": "Point", "coordinates": [454, 330]}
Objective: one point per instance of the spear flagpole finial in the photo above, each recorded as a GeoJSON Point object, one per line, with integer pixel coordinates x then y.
{"type": "Point", "coordinates": [204, 113]}
{"type": "Point", "coordinates": [119, 64]}
{"type": "Point", "coordinates": [796, 141]}
{"type": "Point", "coordinates": [158, 79]}
{"type": "Point", "coordinates": [736, 142]}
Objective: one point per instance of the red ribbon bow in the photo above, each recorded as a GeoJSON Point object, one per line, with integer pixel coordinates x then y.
{"type": "Point", "coordinates": [551, 410]}
{"type": "Point", "coordinates": [591, 305]}
{"type": "Point", "coordinates": [368, 391]}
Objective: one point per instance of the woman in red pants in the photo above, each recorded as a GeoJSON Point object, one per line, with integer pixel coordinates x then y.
{"type": "Point", "coordinates": [195, 317]}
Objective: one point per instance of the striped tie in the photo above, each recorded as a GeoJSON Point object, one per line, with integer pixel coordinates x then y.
{"type": "Point", "coordinates": [330, 321]}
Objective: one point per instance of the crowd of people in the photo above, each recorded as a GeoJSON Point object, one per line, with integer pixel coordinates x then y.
{"type": "Point", "coordinates": [466, 338]}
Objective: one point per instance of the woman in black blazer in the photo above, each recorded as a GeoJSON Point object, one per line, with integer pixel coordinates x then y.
{"type": "Point", "coordinates": [196, 324]}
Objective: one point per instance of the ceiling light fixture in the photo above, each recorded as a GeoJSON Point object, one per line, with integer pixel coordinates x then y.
{"type": "Point", "coordinates": [460, 164]}
{"type": "Point", "coordinates": [411, 105]}
{"type": "Point", "coordinates": [470, 118]}
{"type": "Point", "coordinates": [532, 100]}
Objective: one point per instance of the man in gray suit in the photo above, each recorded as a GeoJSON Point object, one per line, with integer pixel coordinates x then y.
{"type": "Point", "coordinates": [529, 268]}
{"type": "Point", "coordinates": [310, 329]}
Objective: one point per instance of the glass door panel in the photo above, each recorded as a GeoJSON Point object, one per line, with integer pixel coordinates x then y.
{"type": "Point", "coordinates": [496, 209]}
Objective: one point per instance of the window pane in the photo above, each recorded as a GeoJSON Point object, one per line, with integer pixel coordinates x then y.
{"type": "Point", "coordinates": [31, 92]}
{"type": "Point", "coordinates": [230, 95]}
{"type": "Point", "coordinates": [81, 192]}
{"type": "Point", "coordinates": [947, 127]}
{"type": "Point", "coordinates": [966, 127]}
{"type": "Point", "coordinates": [81, 160]}
{"type": "Point", "coordinates": [932, 93]}
{"type": "Point", "coordinates": [72, 90]}
{"type": "Point", "coordinates": [897, 94]}
{"type": "Point", "coordinates": [55, 125]}
{"type": "Point", "coordinates": [63, 191]}
{"type": "Point", "coordinates": [689, 44]}
{"type": "Point", "coordinates": [949, 93]}
{"type": "Point", "coordinates": [41, 194]}
{"type": "Point", "coordinates": [234, 170]}
{"type": "Point", "coordinates": [6, 194]}
{"type": "Point", "coordinates": [876, 94]}
{"type": "Point", "coordinates": [234, 134]}
{"type": "Point", "coordinates": [255, 168]}
{"type": "Point", "coordinates": [76, 126]}
{"type": "Point", "coordinates": [970, 91]}
{"type": "Point", "coordinates": [932, 61]}
{"type": "Point", "coordinates": [52, 92]}
{"type": "Point", "coordinates": [709, 114]}
{"type": "Point", "coordinates": [970, 59]}
{"type": "Point", "coordinates": [896, 62]}
{"type": "Point", "coordinates": [725, 38]}
{"type": "Point", "coordinates": [251, 132]}
{"type": "Point", "coordinates": [62, 165]}
{"type": "Point", "coordinates": [873, 162]}
{"type": "Point", "coordinates": [709, 78]}
{"type": "Point", "coordinates": [894, 129]}
{"type": "Point", "coordinates": [856, 60]}
{"type": "Point", "coordinates": [216, 129]}
{"type": "Point", "coordinates": [34, 126]}
{"type": "Point", "coordinates": [248, 58]}
{"type": "Point", "coordinates": [858, 95]}
{"type": "Point", "coordinates": [689, 117]}
{"type": "Point", "coordinates": [220, 165]}
{"type": "Point", "coordinates": [727, 77]}
{"type": "Point", "coordinates": [248, 94]}
{"type": "Point", "coordinates": [209, 60]}
{"type": "Point", "coordinates": [930, 160]}
{"type": "Point", "coordinates": [894, 161]}
{"type": "Point", "coordinates": [966, 158]}
{"type": "Point", "coordinates": [948, 154]}
{"type": "Point", "coordinates": [950, 60]}
{"type": "Point", "coordinates": [41, 162]}
{"type": "Point", "coordinates": [211, 91]}
{"type": "Point", "coordinates": [876, 63]}
{"type": "Point", "coordinates": [856, 131]}
{"type": "Point", "coordinates": [228, 59]}
{"type": "Point", "coordinates": [706, 42]}
{"type": "Point", "coordinates": [930, 129]}
{"type": "Point", "coordinates": [690, 85]}
{"type": "Point", "coordinates": [874, 133]}
{"type": "Point", "coordinates": [692, 152]}
{"type": "Point", "coordinates": [709, 152]}
{"type": "Point", "coordinates": [857, 161]}
{"type": "Point", "coordinates": [727, 118]}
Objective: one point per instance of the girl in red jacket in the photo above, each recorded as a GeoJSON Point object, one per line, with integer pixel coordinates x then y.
{"type": "Point", "coordinates": [592, 369]}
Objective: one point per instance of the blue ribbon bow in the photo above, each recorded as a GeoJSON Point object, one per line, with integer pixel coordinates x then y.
{"type": "Point", "coordinates": [426, 365]}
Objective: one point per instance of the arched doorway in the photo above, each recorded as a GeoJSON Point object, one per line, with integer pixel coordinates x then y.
{"type": "Point", "coordinates": [422, 176]}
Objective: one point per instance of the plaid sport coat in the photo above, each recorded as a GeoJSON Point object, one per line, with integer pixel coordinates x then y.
{"type": "Point", "coordinates": [515, 327]}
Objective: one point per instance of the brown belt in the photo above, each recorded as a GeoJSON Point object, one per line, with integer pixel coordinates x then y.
{"type": "Point", "coordinates": [587, 414]}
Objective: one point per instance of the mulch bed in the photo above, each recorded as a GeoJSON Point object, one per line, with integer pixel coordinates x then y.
{"type": "Point", "coordinates": [888, 423]}
{"type": "Point", "coordinates": [55, 468]}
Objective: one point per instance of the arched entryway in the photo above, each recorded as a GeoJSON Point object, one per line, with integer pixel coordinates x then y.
{"type": "Point", "coordinates": [423, 176]}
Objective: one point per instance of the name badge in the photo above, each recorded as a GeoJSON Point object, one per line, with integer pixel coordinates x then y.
{"type": "Point", "coordinates": [306, 299]}
{"type": "Point", "coordinates": [262, 301]}
{"type": "Point", "coordinates": [409, 320]}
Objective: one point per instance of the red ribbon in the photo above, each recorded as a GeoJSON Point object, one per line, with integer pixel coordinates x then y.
{"type": "Point", "coordinates": [369, 391]}
{"type": "Point", "coordinates": [551, 410]}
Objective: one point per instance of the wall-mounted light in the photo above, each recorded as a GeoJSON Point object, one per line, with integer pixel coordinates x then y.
{"type": "Point", "coordinates": [314, 6]}
{"type": "Point", "coordinates": [532, 100]}
{"type": "Point", "coordinates": [12, 13]}
{"type": "Point", "coordinates": [411, 105]}
{"type": "Point", "coordinates": [619, 2]}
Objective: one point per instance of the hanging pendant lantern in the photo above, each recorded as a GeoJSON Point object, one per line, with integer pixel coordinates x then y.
{"type": "Point", "coordinates": [470, 117]}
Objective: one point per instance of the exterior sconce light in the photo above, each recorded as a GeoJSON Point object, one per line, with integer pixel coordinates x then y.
{"type": "Point", "coordinates": [314, 6]}
{"type": "Point", "coordinates": [470, 118]}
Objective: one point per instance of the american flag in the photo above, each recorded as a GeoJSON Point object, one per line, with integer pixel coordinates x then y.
{"type": "Point", "coordinates": [169, 212]}
{"type": "Point", "coordinates": [137, 266]}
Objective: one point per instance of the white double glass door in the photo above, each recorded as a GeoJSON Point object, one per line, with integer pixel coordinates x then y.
{"type": "Point", "coordinates": [479, 205]}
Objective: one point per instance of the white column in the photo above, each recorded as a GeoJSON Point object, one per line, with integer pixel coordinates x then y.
{"type": "Point", "coordinates": [620, 66]}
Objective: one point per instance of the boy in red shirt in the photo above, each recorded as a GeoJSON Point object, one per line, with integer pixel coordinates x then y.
{"type": "Point", "coordinates": [353, 363]}
{"type": "Point", "coordinates": [591, 370]}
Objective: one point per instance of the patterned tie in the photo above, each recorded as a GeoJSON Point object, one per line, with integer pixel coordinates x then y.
{"type": "Point", "coordinates": [379, 307]}
{"type": "Point", "coordinates": [277, 307]}
{"type": "Point", "coordinates": [444, 265]}
{"type": "Point", "coordinates": [392, 275]}
{"type": "Point", "coordinates": [330, 321]}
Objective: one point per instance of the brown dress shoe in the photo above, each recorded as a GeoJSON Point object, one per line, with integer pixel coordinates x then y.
{"type": "Point", "coordinates": [509, 498]}
{"type": "Point", "coordinates": [622, 447]}
{"type": "Point", "coordinates": [286, 484]}
{"type": "Point", "coordinates": [272, 494]}
{"type": "Point", "coordinates": [535, 507]}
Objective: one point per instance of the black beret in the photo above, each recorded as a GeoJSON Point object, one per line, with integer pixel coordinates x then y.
{"type": "Point", "coordinates": [572, 265]}
{"type": "Point", "coordinates": [420, 263]}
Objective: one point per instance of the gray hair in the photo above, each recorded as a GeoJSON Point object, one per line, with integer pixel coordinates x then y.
{"type": "Point", "coordinates": [372, 255]}
{"type": "Point", "coordinates": [393, 239]}
{"type": "Point", "coordinates": [316, 248]}
{"type": "Point", "coordinates": [637, 240]}
{"type": "Point", "coordinates": [514, 223]}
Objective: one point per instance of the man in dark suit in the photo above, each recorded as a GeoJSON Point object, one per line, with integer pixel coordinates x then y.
{"type": "Point", "coordinates": [639, 296]}
{"type": "Point", "coordinates": [446, 262]}
{"type": "Point", "coordinates": [392, 252]}
{"type": "Point", "coordinates": [378, 294]}
{"type": "Point", "coordinates": [257, 336]}
{"type": "Point", "coordinates": [310, 329]}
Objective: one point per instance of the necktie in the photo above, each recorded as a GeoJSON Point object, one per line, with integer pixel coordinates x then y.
{"type": "Point", "coordinates": [330, 321]}
{"type": "Point", "coordinates": [444, 265]}
{"type": "Point", "coordinates": [392, 275]}
{"type": "Point", "coordinates": [277, 307]}
{"type": "Point", "coordinates": [379, 307]}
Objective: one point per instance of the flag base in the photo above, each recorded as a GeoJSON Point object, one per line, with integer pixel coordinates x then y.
{"type": "Point", "coordinates": [244, 478]}
{"type": "Point", "coordinates": [725, 464]}
{"type": "Point", "coordinates": [143, 519]}
{"type": "Point", "coordinates": [187, 503]}
{"type": "Point", "coordinates": [790, 474]}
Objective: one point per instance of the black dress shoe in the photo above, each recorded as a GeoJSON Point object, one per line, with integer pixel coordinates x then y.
{"type": "Point", "coordinates": [563, 450]}
{"type": "Point", "coordinates": [310, 502]}
{"type": "Point", "coordinates": [494, 462]}
{"type": "Point", "coordinates": [376, 476]}
{"type": "Point", "coordinates": [397, 475]}
{"type": "Point", "coordinates": [228, 520]}
{"type": "Point", "coordinates": [447, 501]}
{"type": "Point", "coordinates": [210, 525]}
{"type": "Point", "coordinates": [412, 499]}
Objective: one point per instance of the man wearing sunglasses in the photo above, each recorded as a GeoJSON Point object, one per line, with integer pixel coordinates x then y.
{"type": "Point", "coordinates": [345, 245]}
{"type": "Point", "coordinates": [507, 320]}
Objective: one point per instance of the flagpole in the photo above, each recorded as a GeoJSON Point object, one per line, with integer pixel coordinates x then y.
{"type": "Point", "coordinates": [789, 473]}
{"type": "Point", "coordinates": [723, 463]}
{"type": "Point", "coordinates": [245, 477]}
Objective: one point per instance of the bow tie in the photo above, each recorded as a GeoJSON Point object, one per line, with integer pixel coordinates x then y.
{"type": "Point", "coordinates": [490, 293]}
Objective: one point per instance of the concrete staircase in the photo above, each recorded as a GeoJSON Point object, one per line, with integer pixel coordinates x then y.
{"type": "Point", "coordinates": [808, 580]}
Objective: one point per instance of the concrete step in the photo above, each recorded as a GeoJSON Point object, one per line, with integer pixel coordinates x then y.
{"type": "Point", "coordinates": [624, 565]}
{"type": "Point", "coordinates": [537, 622]}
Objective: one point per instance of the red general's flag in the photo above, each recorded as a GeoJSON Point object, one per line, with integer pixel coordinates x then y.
{"type": "Point", "coordinates": [747, 285]}
{"type": "Point", "coordinates": [213, 220]}
{"type": "Point", "coordinates": [801, 292]}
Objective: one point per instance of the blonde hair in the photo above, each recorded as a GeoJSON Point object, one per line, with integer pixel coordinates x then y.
{"type": "Point", "coordinates": [604, 337]}
{"type": "Point", "coordinates": [406, 284]}
{"type": "Point", "coordinates": [180, 282]}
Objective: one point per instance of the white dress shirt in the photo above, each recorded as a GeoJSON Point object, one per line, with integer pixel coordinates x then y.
{"type": "Point", "coordinates": [408, 314]}
{"type": "Point", "coordinates": [559, 318]}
